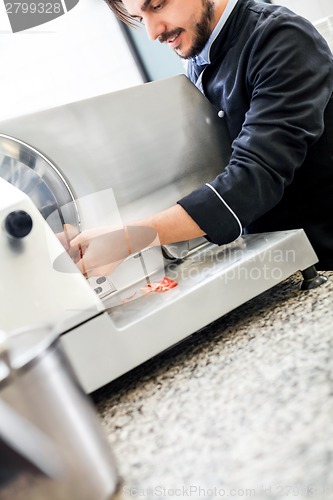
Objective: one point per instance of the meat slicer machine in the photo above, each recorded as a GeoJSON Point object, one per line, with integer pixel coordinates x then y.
{"type": "Point", "coordinates": [113, 159]}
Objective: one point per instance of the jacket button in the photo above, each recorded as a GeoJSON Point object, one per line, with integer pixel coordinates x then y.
{"type": "Point", "coordinates": [220, 114]}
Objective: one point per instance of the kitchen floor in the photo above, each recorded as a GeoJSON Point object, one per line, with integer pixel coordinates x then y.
{"type": "Point", "coordinates": [242, 409]}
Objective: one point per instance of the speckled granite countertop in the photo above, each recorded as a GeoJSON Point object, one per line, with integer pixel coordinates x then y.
{"type": "Point", "coordinates": [242, 409]}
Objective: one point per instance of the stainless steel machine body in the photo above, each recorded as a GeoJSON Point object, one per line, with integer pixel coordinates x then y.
{"type": "Point", "coordinates": [52, 444]}
{"type": "Point", "coordinates": [109, 160]}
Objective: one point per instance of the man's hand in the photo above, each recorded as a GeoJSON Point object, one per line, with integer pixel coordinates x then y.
{"type": "Point", "coordinates": [98, 251]}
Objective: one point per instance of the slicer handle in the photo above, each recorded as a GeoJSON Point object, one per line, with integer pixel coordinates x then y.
{"type": "Point", "coordinates": [18, 224]}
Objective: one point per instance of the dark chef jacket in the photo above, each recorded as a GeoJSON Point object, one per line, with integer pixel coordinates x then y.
{"type": "Point", "coordinates": [272, 75]}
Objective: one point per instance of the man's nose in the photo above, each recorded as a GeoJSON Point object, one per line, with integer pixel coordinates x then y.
{"type": "Point", "coordinates": [154, 28]}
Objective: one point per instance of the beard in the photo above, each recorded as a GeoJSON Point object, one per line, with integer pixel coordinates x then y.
{"type": "Point", "coordinates": [202, 32]}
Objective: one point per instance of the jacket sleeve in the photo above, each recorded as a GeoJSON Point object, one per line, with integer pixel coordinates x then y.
{"type": "Point", "coordinates": [286, 71]}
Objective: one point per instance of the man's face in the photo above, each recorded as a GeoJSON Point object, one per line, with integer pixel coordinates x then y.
{"type": "Point", "coordinates": [185, 25]}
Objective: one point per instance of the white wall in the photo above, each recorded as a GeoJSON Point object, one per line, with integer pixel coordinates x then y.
{"type": "Point", "coordinates": [310, 9]}
{"type": "Point", "coordinates": [78, 55]}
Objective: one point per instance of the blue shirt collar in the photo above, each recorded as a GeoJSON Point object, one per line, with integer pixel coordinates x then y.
{"type": "Point", "coordinates": [204, 57]}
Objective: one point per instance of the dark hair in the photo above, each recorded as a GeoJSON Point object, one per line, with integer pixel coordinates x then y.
{"type": "Point", "coordinates": [120, 12]}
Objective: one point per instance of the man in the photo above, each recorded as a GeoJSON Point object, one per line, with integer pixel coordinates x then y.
{"type": "Point", "coordinates": [270, 74]}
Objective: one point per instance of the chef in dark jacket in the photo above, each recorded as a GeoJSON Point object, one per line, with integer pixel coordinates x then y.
{"type": "Point", "coordinates": [270, 74]}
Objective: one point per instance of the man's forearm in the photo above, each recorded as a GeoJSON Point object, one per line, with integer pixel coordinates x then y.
{"type": "Point", "coordinates": [173, 225]}
{"type": "Point", "coordinates": [98, 251]}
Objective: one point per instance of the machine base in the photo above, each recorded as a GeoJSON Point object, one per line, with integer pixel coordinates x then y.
{"type": "Point", "coordinates": [212, 281]}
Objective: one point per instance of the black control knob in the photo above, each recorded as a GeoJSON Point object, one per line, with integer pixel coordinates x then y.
{"type": "Point", "coordinates": [18, 224]}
